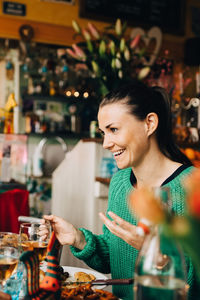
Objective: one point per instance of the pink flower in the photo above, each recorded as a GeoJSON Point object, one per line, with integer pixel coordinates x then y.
{"type": "Point", "coordinates": [135, 41]}
{"type": "Point", "coordinates": [93, 31]}
{"type": "Point", "coordinates": [86, 34]}
{"type": "Point", "coordinates": [72, 53]}
{"type": "Point", "coordinates": [79, 52]}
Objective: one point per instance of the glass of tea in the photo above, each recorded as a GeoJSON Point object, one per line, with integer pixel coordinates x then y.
{"type": "Point", "coordinates": [30, 239]}
{"type": "Point", "coordinates": [9, 257]}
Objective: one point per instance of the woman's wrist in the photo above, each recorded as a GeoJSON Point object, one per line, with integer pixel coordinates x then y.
{"type": "Point", "coordinates": [80, 241]}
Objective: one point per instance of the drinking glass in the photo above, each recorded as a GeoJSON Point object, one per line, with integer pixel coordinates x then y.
{"type": "Point", "coordinates": [9, 257]}
{"type": "Point", "coordinates": [15, 285]}
{"type": "Point", "coordinates": [31, 240]}
{"type": "Point", "coordinates": [160, 271]}
{"type": "Point", "coordinates": [9, 239]}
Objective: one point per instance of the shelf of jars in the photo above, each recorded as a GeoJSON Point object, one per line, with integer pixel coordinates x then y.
{"type": "Point", "coordinates": [186, 127]}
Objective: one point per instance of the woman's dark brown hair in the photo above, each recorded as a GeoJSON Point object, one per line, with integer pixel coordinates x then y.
{"type": "Point", "coordinates": [142, 100]}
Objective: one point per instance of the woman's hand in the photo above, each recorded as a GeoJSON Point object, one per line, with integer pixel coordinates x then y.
{"type": "Point", "coordinates": [65, 232]}
{"type": "Point", "coordinates": [125, 230]}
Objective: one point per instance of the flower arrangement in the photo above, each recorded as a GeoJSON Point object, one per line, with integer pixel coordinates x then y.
{"type": "Point", "coordinates": [184, 229]}
{"type": "Point", "coordinates": [109, 57]}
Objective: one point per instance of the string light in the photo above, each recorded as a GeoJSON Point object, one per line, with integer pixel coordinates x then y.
{"type": "Point", "coordinates": [76, 94]}
{"type": "Point", "coordinates": [68, 93]}
{"type": "Point", "coordinates": [85, 95]}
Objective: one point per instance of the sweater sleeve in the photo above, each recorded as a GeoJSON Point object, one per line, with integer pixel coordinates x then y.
{"type": "Point", "coordinates": [96, 252]}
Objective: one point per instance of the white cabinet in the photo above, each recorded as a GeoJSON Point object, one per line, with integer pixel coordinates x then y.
{"type": "Point", "coordinates": [74, 190]}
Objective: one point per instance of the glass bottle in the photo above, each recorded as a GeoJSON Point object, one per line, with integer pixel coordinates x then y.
{"type": "Point", "coordinates": [160, 272]}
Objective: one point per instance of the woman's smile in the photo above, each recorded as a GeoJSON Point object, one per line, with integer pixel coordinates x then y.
{"type": "Point", "coordinates": [119, 152]}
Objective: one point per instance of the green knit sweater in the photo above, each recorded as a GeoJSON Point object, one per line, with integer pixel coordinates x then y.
{"type": "Point", "coordinates": [108, 253]}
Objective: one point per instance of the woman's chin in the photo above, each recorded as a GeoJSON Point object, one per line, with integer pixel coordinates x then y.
{"type": "Point", "coordinates": [122, 165]}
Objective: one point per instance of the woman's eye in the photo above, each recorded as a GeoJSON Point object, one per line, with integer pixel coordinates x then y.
{"type": "Point", "coordinates": [101, 132]}
{"type": "Point", "coordinates": [113, 129]}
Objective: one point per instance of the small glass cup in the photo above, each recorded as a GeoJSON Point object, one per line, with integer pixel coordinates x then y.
{"type": "Point", "coordinates": [9, 257]}
{"type": "Point", "coordinates": [9, 239]}
{"type": "Point", "coordinates": [14, 285]}
{"type": "Point", "coordinates": [30, 239]}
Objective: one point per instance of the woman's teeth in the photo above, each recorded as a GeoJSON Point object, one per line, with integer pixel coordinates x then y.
{"type": "Point", "coordinates": [118, 152]}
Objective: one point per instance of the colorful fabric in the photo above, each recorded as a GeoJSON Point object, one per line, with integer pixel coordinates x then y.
{"type": "Point", "coordinates": [50, 286]}
{"type": "Point", "coordinates": [108, 253]}
{"type": "Point", "coordinates": [51, 281]}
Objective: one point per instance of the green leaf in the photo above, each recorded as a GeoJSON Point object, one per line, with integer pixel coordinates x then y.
{"type": "Point", "coordinates": [90, 46]}
{"type": "Point", "coordinates": [124, 27]}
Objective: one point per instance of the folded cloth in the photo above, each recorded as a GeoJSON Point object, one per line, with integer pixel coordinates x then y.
{"type": "Point", "coordinates": [13, 204]}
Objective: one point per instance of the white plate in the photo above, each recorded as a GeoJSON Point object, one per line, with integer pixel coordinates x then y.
{"type": "Point", "coordinates": [73, 270]}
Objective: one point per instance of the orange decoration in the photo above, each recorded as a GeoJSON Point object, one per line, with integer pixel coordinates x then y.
{"type": "Point", "coordinates": [190, 153]}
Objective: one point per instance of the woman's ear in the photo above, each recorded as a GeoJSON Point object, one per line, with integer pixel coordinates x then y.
{"type": "Point", "coordinates": [151, 123]}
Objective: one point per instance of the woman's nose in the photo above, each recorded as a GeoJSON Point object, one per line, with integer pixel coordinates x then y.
{"type": "Point", "coordinates": [107, 142]}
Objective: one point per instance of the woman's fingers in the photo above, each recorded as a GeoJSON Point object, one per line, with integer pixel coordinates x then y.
{"type": "Point", "coordinates": [43, 232]}
{"type": "Point", "coordinates": [112, 225]}
{"type": "Point", "coordinates": [49, 218]}
{"type": "Point", "coordinates": [122, 223]}
{"type": "Point", "coordinates": [42, 221]}
{"type": "Point", "coordinates": [124, 230]}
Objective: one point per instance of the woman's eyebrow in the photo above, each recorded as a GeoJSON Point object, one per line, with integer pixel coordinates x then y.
{"type": "Point", "coordinates": [109, 125]}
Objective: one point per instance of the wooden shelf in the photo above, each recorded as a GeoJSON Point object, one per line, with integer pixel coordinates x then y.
{"type": "Point", "coordinates": [103, 180]}
{"type": "Point", "coordinates": [96, 140]}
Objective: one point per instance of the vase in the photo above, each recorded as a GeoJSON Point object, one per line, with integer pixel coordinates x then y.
{"type": "Point", "coordinates": [160, 272]}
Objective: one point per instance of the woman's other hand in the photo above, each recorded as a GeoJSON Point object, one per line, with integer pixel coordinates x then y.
{"type": "Point", "coordinates": [65, 232]}
{"type": "Point", "coordinates": [124, 230]}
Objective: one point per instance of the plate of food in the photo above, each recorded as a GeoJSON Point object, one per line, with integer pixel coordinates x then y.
{"type": "Point", "coordinates": [86, 292]}
{"type": "Point", "coordinates": [75, 274]}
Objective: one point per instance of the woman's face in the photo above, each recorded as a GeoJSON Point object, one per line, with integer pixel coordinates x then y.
{"type": "Point", "coordinates": [124, 135]}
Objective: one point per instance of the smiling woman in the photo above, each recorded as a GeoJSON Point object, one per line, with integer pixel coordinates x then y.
{"type": "Point", "coordinates": [135, 122]}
